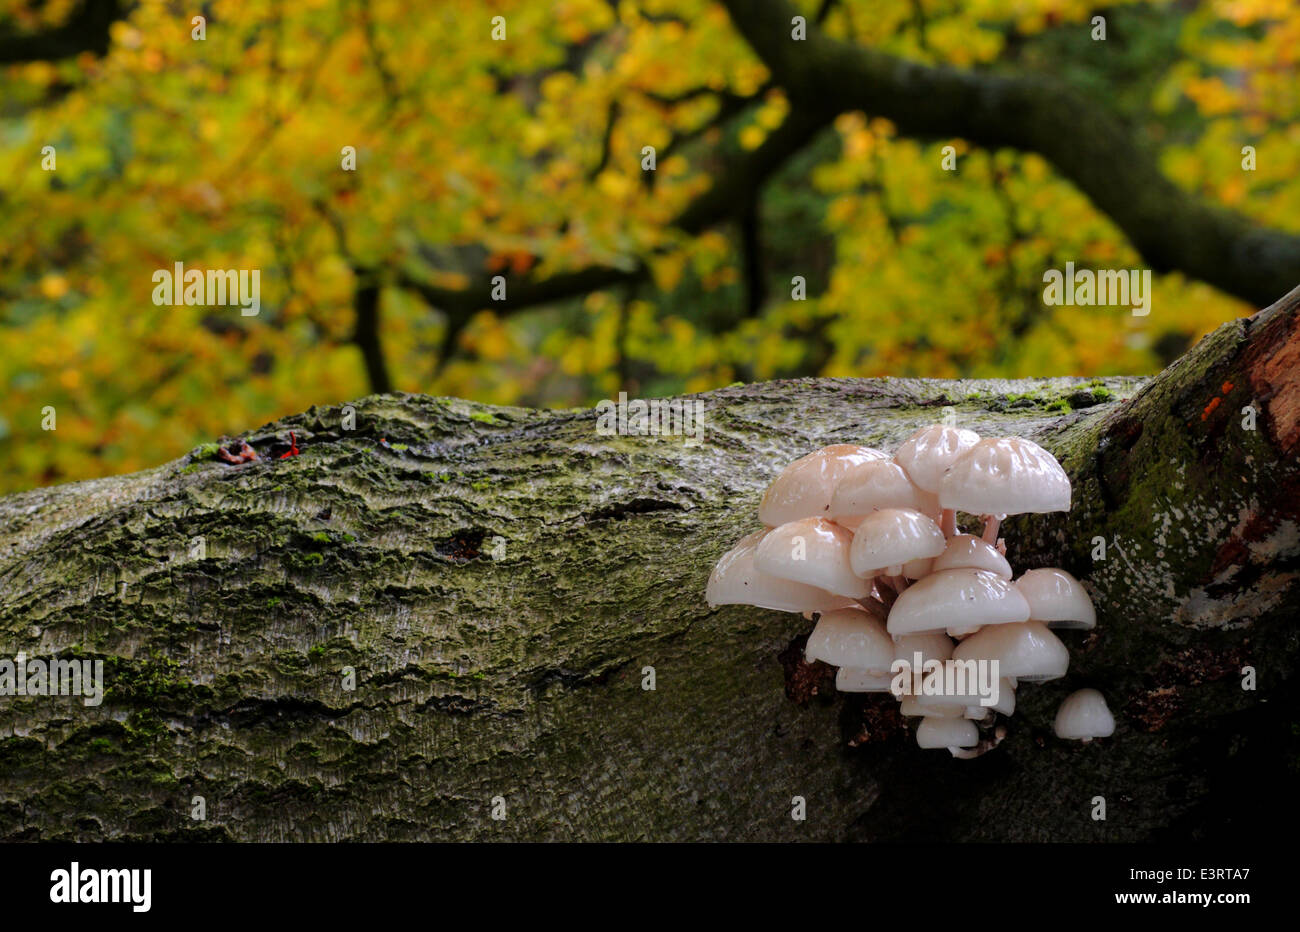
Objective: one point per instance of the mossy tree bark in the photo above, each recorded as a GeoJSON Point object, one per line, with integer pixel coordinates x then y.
{"type": "Point", "coordinates": [499, 578]}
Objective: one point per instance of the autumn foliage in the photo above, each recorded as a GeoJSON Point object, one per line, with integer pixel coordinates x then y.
{"type": "Point", "coordinates": [523, 157]}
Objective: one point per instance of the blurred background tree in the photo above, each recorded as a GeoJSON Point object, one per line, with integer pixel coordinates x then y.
{"type": "Point", "coordinates": [523, 157]}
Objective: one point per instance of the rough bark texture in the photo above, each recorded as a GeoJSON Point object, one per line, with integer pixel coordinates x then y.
{"type": "Point", "coordinates": [513, 667]}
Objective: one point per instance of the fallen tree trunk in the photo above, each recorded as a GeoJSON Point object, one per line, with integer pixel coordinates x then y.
{"type": "Point", "coordinates": [500, 579]}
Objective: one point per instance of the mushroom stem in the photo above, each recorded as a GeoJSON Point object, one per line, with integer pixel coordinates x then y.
{"type": "Point", "coordinates": [948, 522]}
{"type": "Point", "coordinates": [985, 745]}
{"type": "Point", "coordinates": [991, 525]}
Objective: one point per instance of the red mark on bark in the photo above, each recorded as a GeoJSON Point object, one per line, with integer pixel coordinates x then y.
{"type": "Point", "coordinates": [237, 452]}
{"type": "Point", "coordinates": [1227, 387]}
{"type": "Point", "coordinates": [293, 447]}
{"type": "Point", "coordinates": [1209, 409]}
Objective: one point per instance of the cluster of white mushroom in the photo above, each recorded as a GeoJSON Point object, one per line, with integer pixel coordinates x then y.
{"type": "Point", "coordinates": [869, 543]}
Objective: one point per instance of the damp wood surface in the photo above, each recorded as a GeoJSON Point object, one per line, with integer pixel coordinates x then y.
{"type": "Point", "coordinates": [500, 578]}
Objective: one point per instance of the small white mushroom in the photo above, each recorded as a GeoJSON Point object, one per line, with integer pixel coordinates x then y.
{"type": "Point", "coordinates": [966, 551]}
{"type": "Point", "coordinates": [931, 646]}
{"type": "Point", "coordinates": [1056, 597]}
{"type": "Point", "coordinates": [812, 551]}
{"type": "Point", "coordinates": [916, 649]}
{"type": "Point", "coordinates": [913, 707]}
{"type": "Point", "coordinates": [1084, 716]}
{"type": "Point", "coordinates": [735, 581]}
{"type": "Point", "coordinates": [1027, 651]}
{"type": "Point", "coordinates": [851, 638]}
{"type": "Point", "coordinates": [935, 732]}
{"type": "Point", "coordinates": [926, 455]}
{"type": "Point", "coordinates": [960, 700]}
{"type": "Point", "coordinates": [874, 485]}
{"type": "Point", "coordinates": [956, 598]}
{"type": "Point", "coordinates": [885, 540]}
{"type": "Point", "coordinates": [985, 745]}
{"type": "Point", "coordinates": [803, 490]}
{"type": "Point", "coordinates": [1002, 476]}
{"type": "Point", "coordinates": [1006, 703]}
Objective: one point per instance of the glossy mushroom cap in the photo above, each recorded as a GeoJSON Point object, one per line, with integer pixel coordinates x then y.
{"type": "Point", "coordinates": [1005, 476]}
{"type": "Point", "coordinates": [892, 537]}
{"type": "Point", "coordinates": [1006, 703]}
{"type": "Point", "coordinates": [1084, 716]}
{"type": "Point", "coordinates": [932, 646]}
{"type": "Point", "coordinates": [735, 581]}
{"type": "Point", "coordinates": [812, 551]}
{"type": "Point", "coordinates": [1027, 651]}
{"type": "Point", "coordinates": [912, 707]}
{"type": "Point", "coordinates": [873, 486]}
{"type": "Point", "coordinates": [935, 732]}
{"type": "Point", "coordinates": [928, 453]}
{"type": "Point", "coordinates": [1056, 597]}
{"type": "Point", "coordinates": [927, 698]}
{"type": "Point", "coordinates": [851, 638]}
{"type": "Point", "coordinates": [956, 598]}
{"type": "Point", "coordinates": [804, 488]}
{"type": "Point", "coordinates": [965, 551]}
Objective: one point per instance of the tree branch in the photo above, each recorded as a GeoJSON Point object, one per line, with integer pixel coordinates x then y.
{"type": "Point", "coordinates": [743, 173]}
{"type": "Point", "coordinates": [735, 183]}
{"type": "Point", "coordinates": [85, 31]}
{"type": "Point", "coordinates": [520, 294]}
{"type": "Point", "coordinates": [1171, 228]}
{"type": "Point", "coordinates": [489, 569]}
{"type": "Point", "coordinates": [366, 333]}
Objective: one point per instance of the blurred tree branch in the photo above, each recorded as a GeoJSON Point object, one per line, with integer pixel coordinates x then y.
{"type": "Point", "coordinates": [1171, 228]}
{"type": "Point", "coordinates": [85, 31]}
{"type": "Point", "coordinates": [730, 197]}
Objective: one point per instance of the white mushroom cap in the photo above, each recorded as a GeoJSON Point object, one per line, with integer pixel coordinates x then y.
{"type": "Point", "coordinates": [1005, 476]}
{"type": "Point", "coordinates": [1084, 716]}
{"type": "Point", "coordinates": [931, 646]}
{"type": "Point", "coordinates": [878, 484]}
{"type": "Point", "coordinates": [854, 680]}
{"type": "Point", "coordinates": [1006, 703]}
{"type": "Point", "coordinates": [1056, 597]}
{"type": "Point", "coordinates": [912, 707]}
{"type": "Point", "coordinates": [851, 638]}
{"type": "Point", "coordinates": [735, 581]}
{"type": "Point", "coordinates": [803, 490]}
{"type": "Point", "coordinates": [935, 732]}
{"type": "Point", "coordinates": [956, 598]}
{"type": "Point", "coordinates": [966, 551]}
{"type": "Point", "coordinates": [931, 450]}
{"type": "Point", "coordinates": [812, 551]}
{"type": "Point", "coordinates": [925, 698]}
{"type": "Point", "coordinates": [889, 538]}
{"type": "Point", "coordinates": [1028, 651]}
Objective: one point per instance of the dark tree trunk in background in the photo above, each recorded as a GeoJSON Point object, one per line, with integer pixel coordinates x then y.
{"type": "Point", "coordinates": [499, 577]}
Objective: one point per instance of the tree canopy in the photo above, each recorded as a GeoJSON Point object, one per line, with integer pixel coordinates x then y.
{"type": "Point", "coordinates": [516, 147]}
